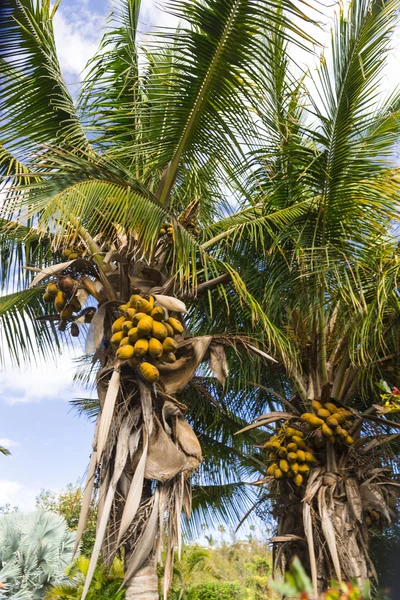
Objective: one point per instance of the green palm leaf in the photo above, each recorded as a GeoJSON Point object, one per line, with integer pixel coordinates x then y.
{"type": "Point", "coordinates": [35, 100]}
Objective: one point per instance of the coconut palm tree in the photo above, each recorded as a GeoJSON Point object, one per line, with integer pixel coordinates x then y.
{"type": "Point", "coordinates": [329, 284]}
{"type": "Point", "coordinates": [110, 205]}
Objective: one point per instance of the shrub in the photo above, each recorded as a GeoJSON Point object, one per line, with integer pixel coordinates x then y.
{"type": "Point", "coordinates": [35, 549]}
{"type": "Point", "coordinates": [211, 590]}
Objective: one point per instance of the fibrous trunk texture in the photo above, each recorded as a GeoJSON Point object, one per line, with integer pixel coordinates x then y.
{"type": "Point", "coordinates": [144, 585]}
{"type": "Point", "coordinates": [326, 528]}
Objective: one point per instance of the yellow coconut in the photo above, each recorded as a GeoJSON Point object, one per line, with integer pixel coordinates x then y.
{"type": "Point", "coordinates": [149, 372]}
{"type": "Point", "coordinates": [316, 405]}
{"type": "Point", "coordinates": [169, 357]}
{"type": "Point", "coordinates": [300, 443]}
{"type": "Point", "coordinates": [123, 308]}
{"type": "Point", "coordinates": [67, 312]}
{"type": "Point", "coordinates": [170, 331]}
{"type": "Point", "coordinates": [169, 344]}
{"type": "Point", "coordinates": [130, 313]}
{"type": "Point", "coordinates": [138, 316]}
{"type": "Point", "coordinates": [301, 456]}
{"type": "Point", "coordinates": [125, 352]}
{"type": "Point", "coordinates": [284, 465]}
{"type": "Point", "coordinates": [144, 326]}
{"type": "Point", "coordinates": [52, 289]}
{"type": "Point", "coordinates": [332, 422]}
{"type": "Point", "coordinates": [117, 325]}
{"type": "Point", "coordinates": [158, 313]}
{"type": "Point", "coordinates": [141, 347]}
{"type": "Point", "coordinates": [60, 301]}
{"type": "Point", "coordinates": [117, 337]}
{"type": "Point", "coordinates": [48, 298]}
{"type": "Point", "coordinates": [322, 413]}
{"type": "Point", "coordinates": [175, 324]}
{"type": "Point", "coordinates": [133, 335]}
{"type": "Point", "coordinates": [155, 348]}
{"type": "Point", "coordinates": [159, 331]}
{"type": "Point", "coordinates": [127, 326]}
{"type": "Point", "coordinates": [327, 431]}
{"type": "Point", "coordinates": [298, 479]}
{"type": "Point", "coordinates": [304, 469]}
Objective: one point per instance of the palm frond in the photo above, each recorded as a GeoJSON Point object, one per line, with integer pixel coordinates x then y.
{"type": "Point", "coordinates": [24, 336]}
{"type": "Point", "coordinates": [35, 103]}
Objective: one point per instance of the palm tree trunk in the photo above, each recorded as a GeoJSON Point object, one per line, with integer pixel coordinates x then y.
{"type": "Point", "coordinates": [350, 537]}
{"type": "Point", "coordinates": [144, 585]}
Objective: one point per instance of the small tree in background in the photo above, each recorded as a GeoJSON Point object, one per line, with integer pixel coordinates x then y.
{"type": "Point", "coordinates": [67, 503]}
{"type": "Point", "coordinates": [106, 582]}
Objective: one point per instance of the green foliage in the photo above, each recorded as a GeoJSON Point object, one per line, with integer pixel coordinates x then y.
{"type": "Point", "coordinates": [297, 584]}
{"type": "Point", "coordinates": [245, 565]}
{"type": "Point", "coordinates": [35, 549]}
{"type": "Point", "coordinates": [105, 584]}
{"type": "Point", "coordinates": [216, 591]}
{"type": "Point", "coordinates": [67, 503]}
{"type": "Point", "coordinates": [296, 581]}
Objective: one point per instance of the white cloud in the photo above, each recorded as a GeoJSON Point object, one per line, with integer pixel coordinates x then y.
{"type": "Point", "coordinates": [77, 35]}
{"type": "Point", "coordinates": [153, 14]}
{"type": "Point", "coordinates": [44, 383]}
{"type": "Point", "coordinates": [7, 443]}
{"type": "Point", "coordinates": [17, 494]}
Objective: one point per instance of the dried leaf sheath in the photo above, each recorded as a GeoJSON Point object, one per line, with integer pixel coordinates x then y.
{"type": "Point", "coordinates": [106, 415]}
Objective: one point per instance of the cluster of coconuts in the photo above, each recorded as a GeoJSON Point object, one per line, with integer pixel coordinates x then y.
{"type": "Point", "coordinates": [289, 455]}
{"type": "Point", "coordinates": [329, 422]}
{"type": "Point", "coordinates": [167, 230]}
{"type": "Point", "coordinates": [145, 334]}
{"type": "Point", "coordinates": [72, 253]}
{"type": "Point", "coordinates": [62, 295]}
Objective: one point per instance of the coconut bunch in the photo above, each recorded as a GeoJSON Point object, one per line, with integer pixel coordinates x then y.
{"type": "Point", "coordinates": [63, 295]}
{"type": "Point", "coordinates": [166, 229]}
{"type": "Point", "coordinates": [329, 422]}
{"type": "Point", "coordinates": [289, 456]}
{"type": "Point", "coordinates": [69, 295]}
{"type": "Point", "coordinates": [72, 252]}
{"type": "Point", "coordinates": [145, 335]}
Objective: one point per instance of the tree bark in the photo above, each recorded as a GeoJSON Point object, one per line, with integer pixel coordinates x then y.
{"type": "Point", "coordinates": [143, 585]}
{"type": "Point", "coordinates": [350, 536]}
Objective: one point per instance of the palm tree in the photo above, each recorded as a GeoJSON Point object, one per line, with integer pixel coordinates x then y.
{"type": "Point", "coordinates": [329, 285]}
{"type": "Point", "coordinates": [222, 530]}
{"type": "Point", "coordinates": [114, 204]}
{"type": "Point", "coordinates": [193, 559]}
{"type": "Point", "coordinates": [35, 549]}
{"type": "Point", "coordinates": [106, 582]}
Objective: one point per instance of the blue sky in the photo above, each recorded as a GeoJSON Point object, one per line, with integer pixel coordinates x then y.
{"type": "Point", "coordinates": [50, 445]}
